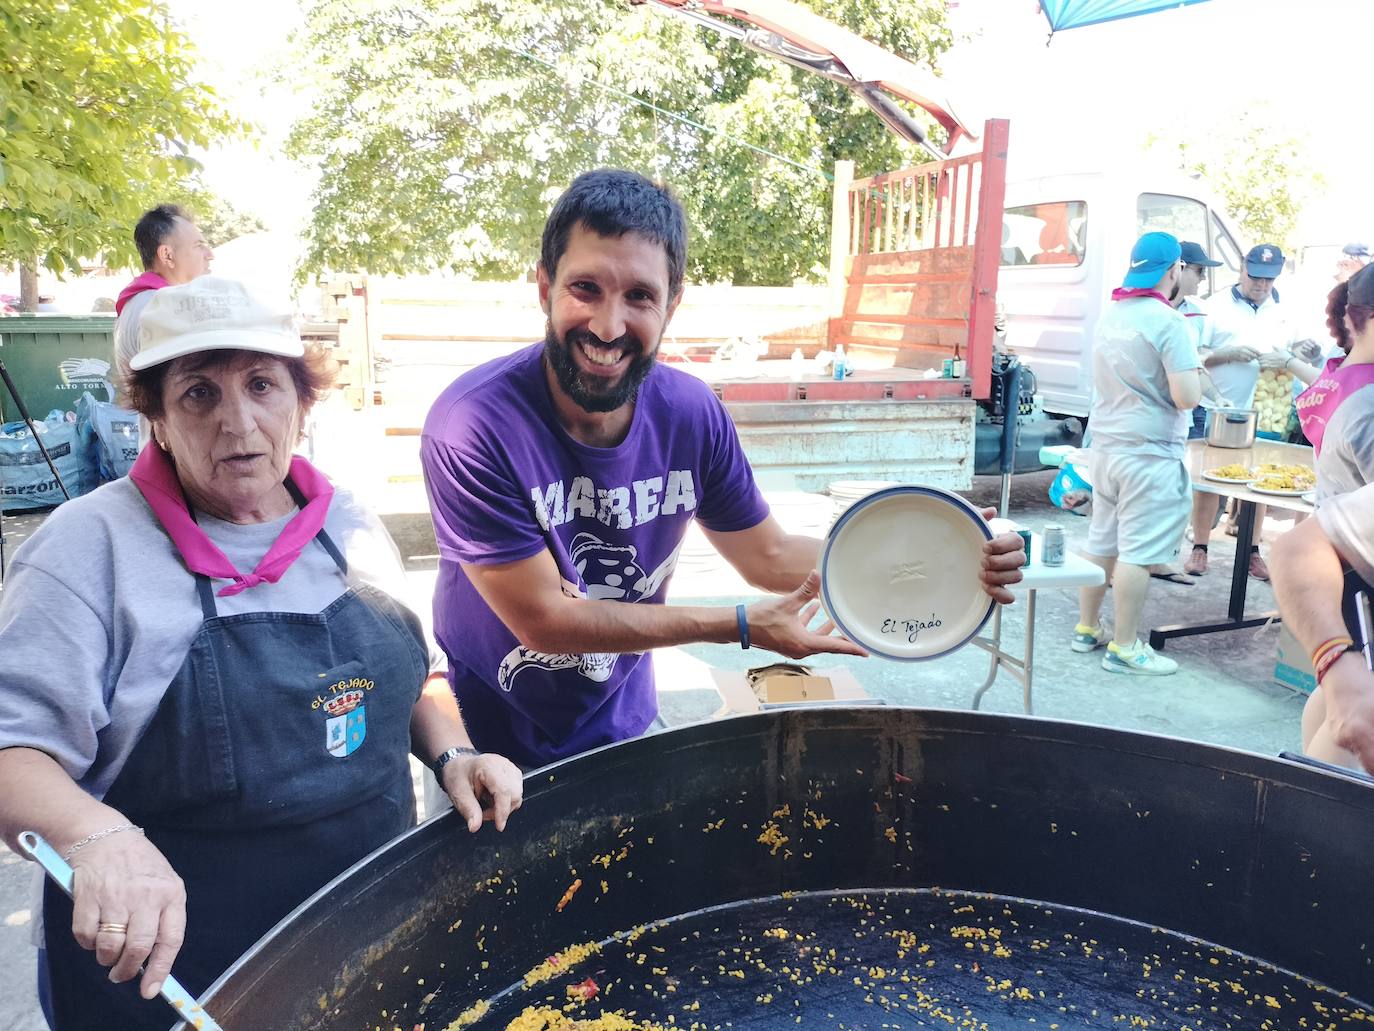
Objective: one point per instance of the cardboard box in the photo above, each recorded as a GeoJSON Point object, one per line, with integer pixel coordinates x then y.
{"type": "Point", "coordinates": [751, 690]}
{"type": "Point", "coordinates": [1291, 665]}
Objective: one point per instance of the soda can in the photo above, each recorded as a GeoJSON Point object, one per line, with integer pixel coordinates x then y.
{"type": "Point", "coordinates": [947, 370]}
{"type": "Point", "coordinates": [1025, 536]}
{"type": "Point", "coordinates": [1052, 551]}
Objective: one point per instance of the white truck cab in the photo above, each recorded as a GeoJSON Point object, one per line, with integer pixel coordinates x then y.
{"type": "Point", "coordinates": [1066, 242]}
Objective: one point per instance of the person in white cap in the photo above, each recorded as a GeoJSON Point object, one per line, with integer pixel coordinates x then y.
{"type": "Point", "coordinates": [208, 691]}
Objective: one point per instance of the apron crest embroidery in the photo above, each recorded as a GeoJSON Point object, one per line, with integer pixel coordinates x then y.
{"type": "Point", "coordinates": [345, 725]}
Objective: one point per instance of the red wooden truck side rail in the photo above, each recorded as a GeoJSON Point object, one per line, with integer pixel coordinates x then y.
{"type": "Point", "coordinates": [921, 270]}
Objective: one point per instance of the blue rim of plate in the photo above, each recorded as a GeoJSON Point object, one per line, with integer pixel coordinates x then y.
{"type": "Point", "coordinates": [939, 494]}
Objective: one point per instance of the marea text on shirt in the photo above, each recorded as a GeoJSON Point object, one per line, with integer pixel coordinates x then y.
{"type": "Point", "coordinates": [621, 507]}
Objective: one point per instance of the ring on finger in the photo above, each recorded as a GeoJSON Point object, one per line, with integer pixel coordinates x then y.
{"type": "Point", "coordinates": [110, 927]}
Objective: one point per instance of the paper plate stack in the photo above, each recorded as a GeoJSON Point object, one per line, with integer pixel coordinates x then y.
{"type": "Point", "coordinates": [899, 573]}
{"type": "Point", "coordinates": [799, 512]}
{"type": "Point", "coordinates": [844, 493]}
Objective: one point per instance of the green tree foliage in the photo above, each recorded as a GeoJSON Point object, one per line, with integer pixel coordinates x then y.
{"type": "Point", "coordinates": [1257, 169]}
{"type": "Point", "coordinates": [443, 129]}
{"type": "Point", "coordinates": [216, 217]}
{"type": "Point", "coordinates": [99, 109]}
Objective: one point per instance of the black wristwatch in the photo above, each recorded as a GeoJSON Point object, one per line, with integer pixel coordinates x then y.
{"type": "Point", "coordinates": [447, 757]}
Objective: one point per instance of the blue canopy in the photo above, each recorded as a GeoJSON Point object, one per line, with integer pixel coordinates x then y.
{"type": "Point", "coordinates": [1071, 14]}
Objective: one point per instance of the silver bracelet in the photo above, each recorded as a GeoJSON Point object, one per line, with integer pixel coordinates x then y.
{"type": "Point", "coordinates": [444, 758]}
{"type": "Point", "coordinates": [89, 838]}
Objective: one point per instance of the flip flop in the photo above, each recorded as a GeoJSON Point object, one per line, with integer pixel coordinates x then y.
{"type": "Point", "coordinates": [1174, 578]}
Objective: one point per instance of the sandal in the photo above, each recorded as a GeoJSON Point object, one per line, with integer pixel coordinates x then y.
{"type": "Point", "coordinates": [1174, 577]}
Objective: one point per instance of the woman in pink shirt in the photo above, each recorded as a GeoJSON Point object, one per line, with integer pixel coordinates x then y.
{"type": "Point", "coordinates": [1337, 410]}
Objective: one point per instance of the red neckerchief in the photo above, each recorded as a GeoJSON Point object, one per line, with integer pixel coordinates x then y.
{"type": "Point", "coordinates": [155, 476]}
{"type": "Point", "coordinates": [1122, 293]}
{"type": "Point", "coordinates": [147, 281]}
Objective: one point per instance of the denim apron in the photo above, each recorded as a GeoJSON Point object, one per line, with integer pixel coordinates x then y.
{"type": "Point", "coordinates": [276, 759]}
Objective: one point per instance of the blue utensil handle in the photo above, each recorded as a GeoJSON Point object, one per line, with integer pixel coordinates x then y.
{"type": "Point", "coordinates": [61, 873]}
{"type": "Point", "coordinates": [1325, 767]}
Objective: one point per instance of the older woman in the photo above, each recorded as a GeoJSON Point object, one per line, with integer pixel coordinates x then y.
{"type": "Point", "coordinates": [208, 690]}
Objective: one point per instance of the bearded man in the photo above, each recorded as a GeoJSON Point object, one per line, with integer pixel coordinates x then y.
{"type": "Point", "coordinates": [563, 478]}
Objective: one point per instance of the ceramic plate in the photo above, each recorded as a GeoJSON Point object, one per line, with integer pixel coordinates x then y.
{"type": "Point", "coordinates": [1208, 474]}
{"type": "Point", "coordinates": [1280, 493]}
{"type": "Point", "coordinates": [899, 573]}
{"type": "Point", "coordinates": [1310, 497]}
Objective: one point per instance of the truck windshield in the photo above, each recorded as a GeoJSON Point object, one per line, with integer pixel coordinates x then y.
{"type": "Point", "coordinates": [1052, 233]}
{"type": "Point", "coordinates": [1225, 249]}
{"type": "Point", "coordinates": [1184, 217]}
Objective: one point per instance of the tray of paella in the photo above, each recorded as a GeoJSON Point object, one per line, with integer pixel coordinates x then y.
{"type": "Point", "coordinates": [1290, 481]}
{"type": "Point", "coordinates": [1233, 473]}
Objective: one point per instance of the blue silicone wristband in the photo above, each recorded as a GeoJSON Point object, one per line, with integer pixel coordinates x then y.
{"type": "Point", "coordinates": [743, 621]}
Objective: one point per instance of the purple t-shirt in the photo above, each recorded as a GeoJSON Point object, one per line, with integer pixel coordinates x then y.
{"type": "Point", "coordinates": [506, 482]}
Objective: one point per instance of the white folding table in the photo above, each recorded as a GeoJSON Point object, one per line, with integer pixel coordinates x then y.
{"type": "Point", "coordinates": [1036, 576]}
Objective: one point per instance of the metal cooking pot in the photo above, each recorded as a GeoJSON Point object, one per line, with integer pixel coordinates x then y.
{"type": "Point", "coordinates": [867, 866]}
{"type": "Point", "coordinates": [1231, 427]}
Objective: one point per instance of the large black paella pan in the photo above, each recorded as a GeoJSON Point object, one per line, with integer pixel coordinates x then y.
{"type": "Point", "coordinates": [855, 868]}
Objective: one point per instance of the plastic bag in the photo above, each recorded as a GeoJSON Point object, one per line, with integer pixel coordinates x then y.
{"type": "Point", "coordinates": [26, 482]}
{"type": "Point", "coordinates": [109, 436]}
{"type": "Point", "coordinates": [1070, 490]}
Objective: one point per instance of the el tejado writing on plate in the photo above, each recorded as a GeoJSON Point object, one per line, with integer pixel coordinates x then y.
{"type": "Point", "coordinates": [911, 627]}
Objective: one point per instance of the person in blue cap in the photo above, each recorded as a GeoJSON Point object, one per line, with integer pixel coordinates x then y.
{"type": "Point", "coordinates": [1147, 378]}
{"type": "Point", "coordinates": [1194, 263]}
{"type": "Point", "coordinates": [1194, 266]}
{"type": "Point", "coordinates": [1354, 256]}
{"type": "Point", "coordinates": [1248, 330]}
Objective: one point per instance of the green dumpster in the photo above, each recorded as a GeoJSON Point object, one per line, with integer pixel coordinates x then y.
{"type": "Point", "coordinates": [53, 359]}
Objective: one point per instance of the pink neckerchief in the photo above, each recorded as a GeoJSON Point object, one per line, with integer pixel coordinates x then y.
{"type": "Point", "coordinates": [1123, 293]}
{"type": "Point", "coordinates": [156, 478]}
{"type": "Point", "coordinates": [1318, 403]}
{"type": "Point", "coordinates": [147, 281]}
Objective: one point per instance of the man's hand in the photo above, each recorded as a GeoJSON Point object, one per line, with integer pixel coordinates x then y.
{"type": "Point", "coordinates": [1003, 557]}
{"type": "Point", "coordinates": [1232, 353]}
{"type": "Point", "coordinates": [781, 624]}
{"type": "Point", "coordinates": [1348, 688]}
{"type": "Point", "coordinates": [1275, 360]}
{"type": "Point", "coordinates": [484, 787]}
{"type": "Point", "coordinates": [1308, 351]}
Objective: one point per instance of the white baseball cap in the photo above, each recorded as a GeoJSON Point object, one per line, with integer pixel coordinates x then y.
{"type": "Point", "coordinates": [211, 313]}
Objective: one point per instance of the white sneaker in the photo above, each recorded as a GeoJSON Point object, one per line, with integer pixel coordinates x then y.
{"type": "Point", "coordinates": [1089, 638]}
{"type": "Point", "coordinates": [1139, 660]}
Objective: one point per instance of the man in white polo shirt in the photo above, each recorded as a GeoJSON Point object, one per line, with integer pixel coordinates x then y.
{"type": "Point", "coordinates": [1245, 324]}
{"type": "Point", "coordinates": [1146, 382]}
